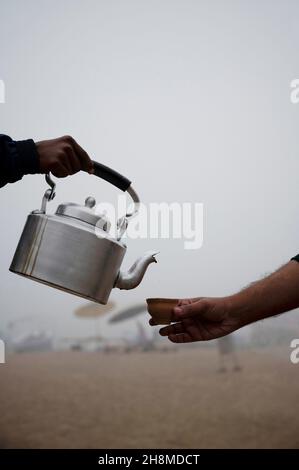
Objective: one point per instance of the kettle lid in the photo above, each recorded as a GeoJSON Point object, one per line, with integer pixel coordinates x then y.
{"type": "Point", "coordinates": [84, 213]}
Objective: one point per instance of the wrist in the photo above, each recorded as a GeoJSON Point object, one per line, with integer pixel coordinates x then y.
{"type": "Point", "coordinates": [242, 308]}
{"type": "Point", "coordinates": [27, 156]}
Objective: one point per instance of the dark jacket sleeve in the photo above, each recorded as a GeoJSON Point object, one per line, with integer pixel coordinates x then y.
{"type": "Point", "coordinates": [17, 158]}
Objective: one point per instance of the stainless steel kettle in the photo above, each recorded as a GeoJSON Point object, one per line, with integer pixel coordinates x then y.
{"type": "Point", "coordinates": [72, 249]}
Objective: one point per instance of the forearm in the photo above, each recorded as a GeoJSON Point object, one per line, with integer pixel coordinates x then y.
{"type": "Point", "coordinates": [275, 294]}
{"type": "Point", "coordinates": [17, 158]}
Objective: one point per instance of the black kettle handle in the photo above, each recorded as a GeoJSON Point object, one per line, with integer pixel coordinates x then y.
{"type": "Point", "coordinates": [112, 176]}
{"type": "Point", "coordinates": [104, 172]}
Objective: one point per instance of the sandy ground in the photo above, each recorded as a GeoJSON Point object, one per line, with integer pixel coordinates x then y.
{"type": "Point", "coordinates": [148, 400]}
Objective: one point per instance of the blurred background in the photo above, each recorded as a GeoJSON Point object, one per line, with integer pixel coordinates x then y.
{"type": "Point", "coordinates": [191, 101]}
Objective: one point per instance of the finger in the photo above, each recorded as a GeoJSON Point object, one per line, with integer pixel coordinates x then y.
{"type": "Point", "coordinates": [174, 329]}
{"type": "Point", "coordinates": [190, 310]}
{"type": "Point", "coordinates": [60, 171]}
{"type": "Point", "coordinates": [183, 302]}
{"type": "Point", "coordinates": [186, 326]}
{"type": "Point", "coordinates": [183, 338]}
{"type": "Point", "coordinates": [188, 301]}
{"type": "Point", "coordinates": [85, 160]}
{"type": "Point", "coordinates": [73, 160]}
{"type": "Point", "coordinates": [152, 322]}
{"type": "Point", "coordinates": [64, 161]}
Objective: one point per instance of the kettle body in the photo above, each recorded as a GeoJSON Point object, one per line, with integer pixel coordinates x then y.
{"type": "Point", "coordinates": [70, 250]}
{"type": "Point", "coordinates": [67, 256]}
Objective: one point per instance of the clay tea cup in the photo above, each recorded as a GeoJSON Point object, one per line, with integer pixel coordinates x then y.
{"type": "Point", "coordinates": [161, 310]}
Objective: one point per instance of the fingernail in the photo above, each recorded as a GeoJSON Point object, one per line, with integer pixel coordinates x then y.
{"type": "Point", "coordinates": [178, 310]}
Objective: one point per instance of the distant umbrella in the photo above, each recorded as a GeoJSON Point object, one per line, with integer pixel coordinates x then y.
{"type": "Point", "coordinates": [93, 310]}
{"type": "Point", "coordinates": [129, 312]}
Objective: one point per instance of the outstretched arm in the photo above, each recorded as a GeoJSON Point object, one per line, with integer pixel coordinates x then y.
{"type": "Point", "coordinates": [207, 318]}
{"type": "Point", "coordinates": [62, 157]}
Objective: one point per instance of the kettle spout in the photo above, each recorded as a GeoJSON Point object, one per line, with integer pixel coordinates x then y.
{"type": "Point", "coordinates": [132, 278]}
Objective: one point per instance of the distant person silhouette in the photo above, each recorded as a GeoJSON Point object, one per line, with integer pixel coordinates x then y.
{"type": "Point", "coordinates": [227, 354]}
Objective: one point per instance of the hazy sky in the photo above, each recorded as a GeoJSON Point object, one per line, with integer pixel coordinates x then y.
{"type": "Point", "coordinates": [190, 100]}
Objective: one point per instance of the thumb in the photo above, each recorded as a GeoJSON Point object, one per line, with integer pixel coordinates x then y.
{"type": "Point", "coordinates": [191, 310]}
